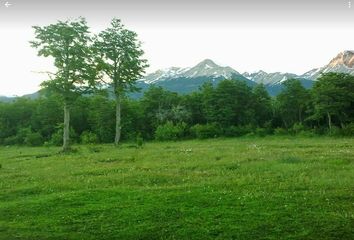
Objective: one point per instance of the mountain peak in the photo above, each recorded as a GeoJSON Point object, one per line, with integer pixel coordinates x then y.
{"type": "Point", "coordinates": [209, 68]}
{"type": "Point", "coordinates": [345, 58]}
{"type": "Point", "coordinates": [207, 63]}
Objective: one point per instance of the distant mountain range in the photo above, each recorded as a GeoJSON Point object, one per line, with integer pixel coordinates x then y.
{"type": "Point", "coordinates": [185, 80]}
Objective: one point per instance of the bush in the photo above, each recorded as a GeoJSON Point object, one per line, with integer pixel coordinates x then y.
{"type": "Point", "coordinates": [22, 134]}
{"type": "Point", "coordinates": [169, 131]}
{"type": "Point", "coordinates": [88, 138]}
{"type": "Point", "coordinates": [348, 130]}
{"type": "Point", "coordinates": [34, 139]}
{"type": "Point", "coordinates": [57, 137]}
{"type": "Point", "coordinates": [297, 128]}
{"type": "Point", "coordinates": [280, 131]}
{"type": "Point", "coordinates": [335, 131]}
{"type": "Point", "coordinates": [237, 131]}
{"type": "Point", "coordinates": [19, 138]}
{"type": "Point", "coordinates": [139, 140]}
{"type": "Point", "coordinates": [206, 131]}
{"type": "Point", "coordinates": [261, 132]}
{"type": "Point", "coordinates": [12, 140]}
{"type": "Point", "coordinates": [307, 133]}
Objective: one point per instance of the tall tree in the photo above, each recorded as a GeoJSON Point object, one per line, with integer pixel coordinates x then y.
{"type": "Point", "coordinates": [67, 42]}
{"type": "Point", "coordinates": [334, 98]}
{"type": "Point", "coordinates": [262, 105]}
{"type": "Point", "coordinates": [292, 102]}
{"type": "Point", "coordinates": [157, 104]}
{"type": "Point", "coordinates": [120, 59]}
{"type": "Point", "coordinates": [233, 100]}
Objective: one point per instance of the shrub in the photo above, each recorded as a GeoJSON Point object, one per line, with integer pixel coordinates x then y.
{"type": "Point", "coordinates": [12, 140]}
{"type": "Point", "coordinates": [261, 132]}
{"type": "Point", "coordinates": [139, 140]}
{"type": "Point", "coordinates": [34, 139]}
{"type": "Point", "coordinates": [169, 131]}
{"type": "Point", "coordinates": [280, 131]}
{"type": "Point", "coordinates": [57, 137]}
{"type": "Point", "coordinates": [237, 131]}
{"type": "Point", "coordinates": [320, 130]}
{"type": "Point", "coordinates": [206, 131]}
{"type": "Point", "coordinates": [22, 134]}
{"type": "Point", "coordinates": [335, 131]}
{"type": "Point", "coordinates": [348, 130]}
{"type": "Point", "coordinates": [297, 128]}
{"type": "Point", "coordinates": [88, 138]}
{"type": "Point", "coordinates": [307, 133]}
{"type": "Point", "coordinates": [19, 138]}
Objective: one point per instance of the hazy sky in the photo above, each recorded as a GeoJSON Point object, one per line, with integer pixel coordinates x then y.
{"type": "Point", "coordinates": [277, 35]}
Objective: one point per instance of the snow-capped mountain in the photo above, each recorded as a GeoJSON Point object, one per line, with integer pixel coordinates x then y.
{"type": "Point", "coordinates": [343, 63]}
{"type": "Point", "coordinates": [185, 80]}
{"type": "Point", "coordinates": [269, 78]}
{"type": "Point", "coordinates": [209, 68]}
{"type": "Point", "coordinates": [189, 79]}
{"type": "Point", "coordinates": [163, 74]}
{"type": "Point", "coordinates": [206, 68]}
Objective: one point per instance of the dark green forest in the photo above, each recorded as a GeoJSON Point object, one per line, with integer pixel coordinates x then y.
{"type": "Point", "coordinates": [230, 109]}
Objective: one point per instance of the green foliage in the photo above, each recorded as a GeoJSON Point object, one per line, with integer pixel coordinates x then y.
{"type": "Point", "coordinates": [25, 136]}
{"type": "Point", "coordinates": [139, 141]}
{"type": "Point", "coordinates": [12, 140]}
{"type": "Point", "coordinates": [170, 131]}
{"type": "Point", "coordinates": [22, 134]}
{"type": "Point", "coordinates": [88, 138]}
{"type": "Point", "coordinates": [334, 98]}
{"type": "Point", "coordinates": [261, 132]}
{"type": "Point", "coordinates": [297, 128]}
{"type": "Point", "coordinates": [280, 131]}
{"type": "Point", "coordinates": [34, 139]}
{"type": "Point", "coordinates": [334, 131]}
{"type": "Point", "coordinates": [157, 104]}
{"type": "Point", "coordinates": [206, 131]}
{"type": "Point", "coordinates": [232, 103]}
{"type": "Point", "coordinates": [292, 102]}
{"type": "Point", "coordinates": [119, 57]}
{"type": "Point", "coordinates": [57, 137]}
{"type": "Point", "coordinates": [262, 105]}
{"type": "Point", "coordinates": [237, 131]}
{"type": "Point", "coordinates": [348, 130]}
{"type": "Point", "coordinates": [67, 42]}
{"type": "Point", "coordinates": [213, 111]}
{"type": "Point", "coordinates": [123, 63]}
{"type": "Point", "coordinates": [101, 117]}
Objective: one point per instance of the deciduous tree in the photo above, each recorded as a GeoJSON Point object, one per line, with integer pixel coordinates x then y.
{"type": "Point", "coordinates": [119, 59]}
{"type": "Point", "coordinates": [67, 42]}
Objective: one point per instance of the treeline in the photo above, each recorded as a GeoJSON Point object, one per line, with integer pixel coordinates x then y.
{"type": "Point", "coordinates": [230, 109]}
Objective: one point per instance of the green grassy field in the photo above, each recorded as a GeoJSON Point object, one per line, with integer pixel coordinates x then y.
{"type": "Point", "coordinates": [248, 188]}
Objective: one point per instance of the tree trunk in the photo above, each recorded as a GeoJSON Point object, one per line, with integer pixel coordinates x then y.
{"type": "Point", "coordinates": [118, 120]}
{"type": "Point", "coordinates": [66, 134]}
{"type": "Point", "coordinates": [329, 122]}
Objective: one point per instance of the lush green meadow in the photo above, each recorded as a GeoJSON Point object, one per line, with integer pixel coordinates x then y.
{"type": "Point", "coordinates": [246, 188]}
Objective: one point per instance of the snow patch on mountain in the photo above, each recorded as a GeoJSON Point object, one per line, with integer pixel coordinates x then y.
{"type": "Point", "coordinates": [342, 63]}
{"type": "Point", "coordinates": [269, 78]}
{"type": "Point", "coordinates": [206, 68]}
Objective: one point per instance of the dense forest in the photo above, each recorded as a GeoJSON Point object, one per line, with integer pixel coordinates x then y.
{"type": "Point", "coordinates": [230, 109]}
